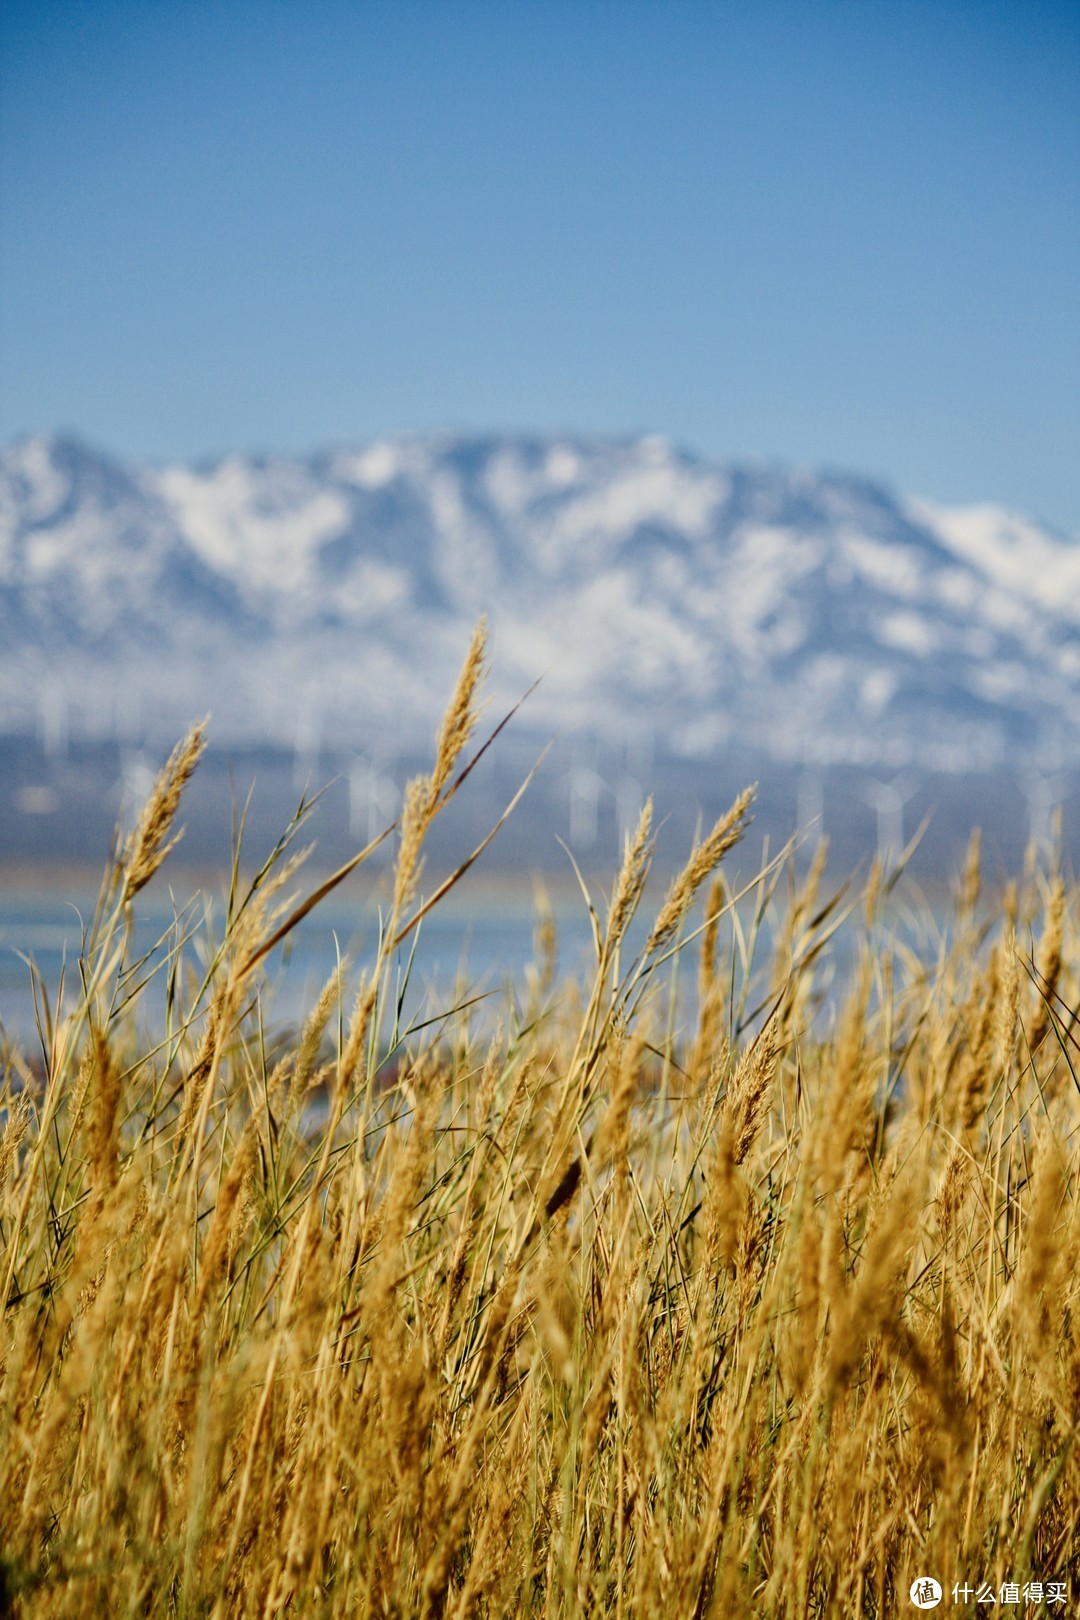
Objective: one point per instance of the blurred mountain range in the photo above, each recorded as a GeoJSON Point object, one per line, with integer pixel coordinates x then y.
{"type": "Point", "coordinates": [870, 658]}
{"type": "Point", "coordinates": [670, 602]}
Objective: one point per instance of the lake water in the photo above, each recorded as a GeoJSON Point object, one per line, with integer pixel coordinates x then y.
{"type": "Point", "coordinates": [484, 938]}
{"type": "Point", "coordinates": [481, 936]}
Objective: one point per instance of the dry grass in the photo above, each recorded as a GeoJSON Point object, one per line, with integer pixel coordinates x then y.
{"type": "Point", "coordinates": [599, 1313]}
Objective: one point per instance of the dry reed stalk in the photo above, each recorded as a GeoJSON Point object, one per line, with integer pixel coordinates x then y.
{"type": "Point", "coordinates": [415, 820]}
{"type": "Point", "coordinates": [104, 1123]}
{"type": "Point", "coordinates": [198, 1075]}
{"type": "Point", "coordinates": [952, 1192]}
{"type": "Point", "coordinates": [873, 892]}
{"type": "Point", "coordinates": [704, 860]}
{"type": "Point", "coordinates": [710, 987]}
{"type": "Point", "coordinates": [746, 1103]}
{"type": "Point", "coordinates": [624, 1060]}
{"type": "Point", "coordinates": [545, 946]}
{"type": "Point", "coordinates": [971, 880]}
{"type": "Point", "coordinates": [874, 1300]}
{"type": "Point", "coordinates": [15, 1129]}
{"type": "Point", "coordinates": [974, 1074]}
{"type": "Point", "coordinates": [1035, 1279]}
{"type": "Point", "coordinates": [401, 1198]}
{"type": "Point", "coordinates": [149, 843]}
{"type": "Point", "coordinates": [352, 1063]}
{"type": "Point", "coordinates": [724, 1210]}
{"type": "Point", "coordinates": [708, 964]}
{"type": "Point", "coordinates": [426, 795]}
{"type": "Point", "coordinates": [630, 882]}
{"type": "Point", "coordinates": [844, 1128]}
{"type": "Point", "coordinates": [231, 1210]}
{"type": "Point", "coordinates": [803, 1343]}
{"type": "Point", "coordinates": [456, 1272]}
{"type": "Point", "coordinates": [460, 1366]}
{"type": "Point", "coordinates": [1047, 966]}
{"type": "Point", "coordinates": [1007, 1011]}
{"type": "Point", "coordinates": [459, 721]}
{"type": "Point", "coordinates": [800, 920]}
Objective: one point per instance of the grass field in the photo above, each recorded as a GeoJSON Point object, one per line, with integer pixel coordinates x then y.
{"type": "Point", "coordinates": [677, 1291]}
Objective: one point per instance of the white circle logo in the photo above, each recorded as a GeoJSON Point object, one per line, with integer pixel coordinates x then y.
{"type": "Point", "coordinates": [925, 1592]}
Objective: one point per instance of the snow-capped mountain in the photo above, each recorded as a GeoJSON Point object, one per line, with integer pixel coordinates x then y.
{"type": "Point", "coordinates": [813, 617]}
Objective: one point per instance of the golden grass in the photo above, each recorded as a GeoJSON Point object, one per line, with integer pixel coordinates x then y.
{"type": "Point", "coordinates": [611, 1309]}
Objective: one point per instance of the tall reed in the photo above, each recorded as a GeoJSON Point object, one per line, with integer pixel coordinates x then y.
{"type": "Point", "coordinates": [763, 1306]}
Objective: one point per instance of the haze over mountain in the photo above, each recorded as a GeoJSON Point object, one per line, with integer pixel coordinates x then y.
{"type": "Point", "coordinates": [813, 617]}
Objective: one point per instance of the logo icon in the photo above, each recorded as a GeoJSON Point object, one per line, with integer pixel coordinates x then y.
{"type": "Point", "coordinates": [925, 1592]}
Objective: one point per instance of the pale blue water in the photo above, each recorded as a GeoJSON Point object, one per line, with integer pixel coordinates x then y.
{"type": "Point", "coordinates": [485, 941]}
{"type": "Point", "coordinates": [478, 938]}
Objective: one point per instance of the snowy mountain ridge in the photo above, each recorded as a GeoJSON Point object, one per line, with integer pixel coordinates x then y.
{"type": "Point", "coordinates": [814, 617]}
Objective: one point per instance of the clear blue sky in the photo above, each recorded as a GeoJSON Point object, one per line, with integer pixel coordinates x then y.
{"type": "Point", "coordinates": [839, 234]}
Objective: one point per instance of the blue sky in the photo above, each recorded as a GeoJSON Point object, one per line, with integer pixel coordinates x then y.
{"type": "Point", "coordinates": [828, 233]}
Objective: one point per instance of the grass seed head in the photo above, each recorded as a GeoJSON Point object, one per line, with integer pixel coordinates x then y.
{"type": "Point", "coordinates": [459, 721]}
{"type": "Point", "coordinates": [746, 1104]}
{"type": "Point", "coordinates": [415, 820]}
{"type": "Point", "coordinates": [631, 879]}
{"type": "Point", "coordinates": [1047, 966]}
{"type": "Point", "coordinates": [149, 843]}
{"type": "Point", "coordinates": [704, 860]}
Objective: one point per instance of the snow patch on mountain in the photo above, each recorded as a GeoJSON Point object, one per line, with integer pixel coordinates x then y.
{"type": "Point", "coordinates": [261, 528]}
{"type": "Point", "coordinates": [1011, 551]}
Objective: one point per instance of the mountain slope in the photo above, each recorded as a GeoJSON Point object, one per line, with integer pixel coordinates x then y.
{"type": "Point", "coordinates": [814, 617]}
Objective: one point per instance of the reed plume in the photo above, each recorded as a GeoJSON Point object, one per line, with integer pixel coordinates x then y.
{"type": "Point", "coordinates": [149, 844]}
{"type": "Point", "coordinates": [704, 860]}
